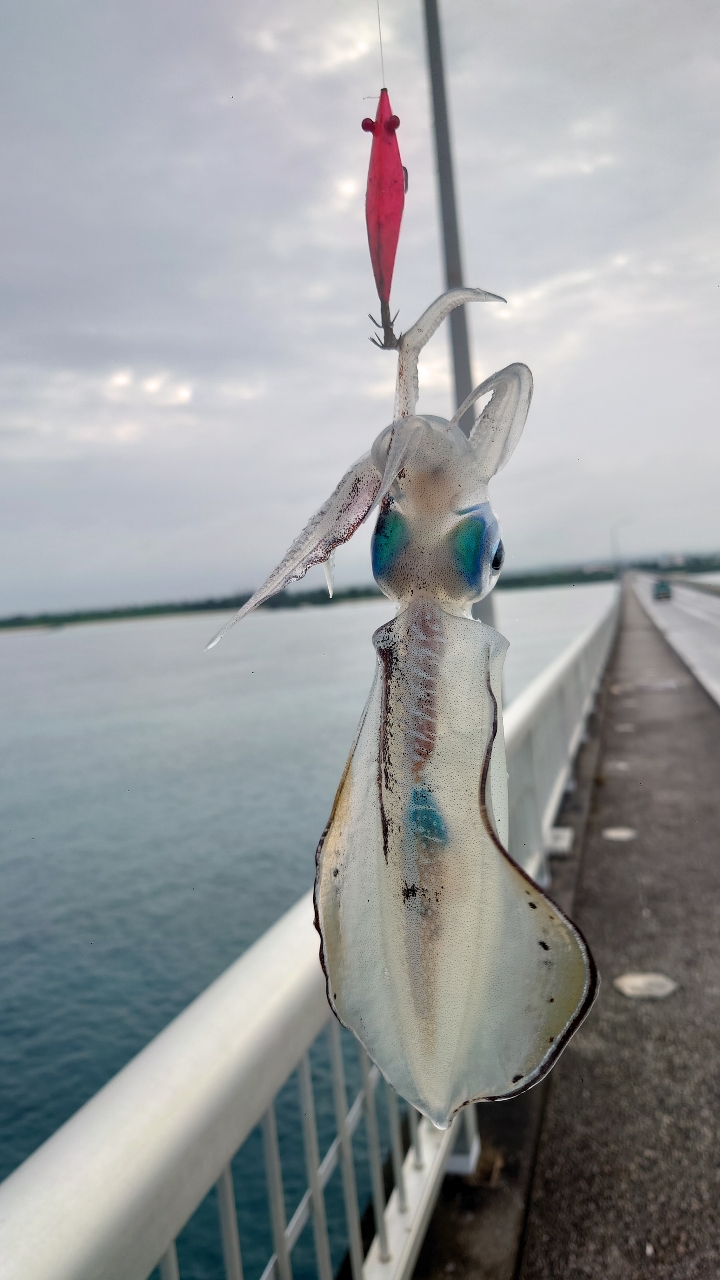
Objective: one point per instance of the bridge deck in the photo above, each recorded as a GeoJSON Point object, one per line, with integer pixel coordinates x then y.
{"type": "Point", "coordinates": [627, 1178]}
{"type": "Point", "coordinates": [691, 622]}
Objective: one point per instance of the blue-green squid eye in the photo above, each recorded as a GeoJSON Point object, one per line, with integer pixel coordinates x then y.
{"type": "Point", "coordinates": [391, 536]}
{"type": "Point", "coordinates": [467, 541]}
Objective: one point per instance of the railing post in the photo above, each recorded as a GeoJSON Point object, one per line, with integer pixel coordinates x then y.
{"type": "Point", "coordinates": [276, 1194]}
{"type": "Point", "coordinates": [312, 1165]}
{"type": "Point", "coordinates": [348, 1168]}
{"type": "Point", "coordinates": [376, 1169]}
{"type": "Point", "coordinates": [169, 1269]}
{"type": "Point", "coordinates": [464, 1162]}
{"type": "Point", "coordinates": [415, 1138]}
{"type": "Point", "coordinates": [396, 1146]}
{"type": "Point", "coordinates": [227, 1212]}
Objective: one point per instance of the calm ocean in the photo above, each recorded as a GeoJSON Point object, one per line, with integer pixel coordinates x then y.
{"type": "Point", "coordinates": [159, 809]}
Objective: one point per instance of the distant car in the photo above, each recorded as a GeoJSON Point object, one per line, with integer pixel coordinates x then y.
{"type": "Point", "coordinates": [662, 589]}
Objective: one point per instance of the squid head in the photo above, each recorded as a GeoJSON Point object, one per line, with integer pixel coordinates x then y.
{"type": "Point", "coordinates": [369, 480]}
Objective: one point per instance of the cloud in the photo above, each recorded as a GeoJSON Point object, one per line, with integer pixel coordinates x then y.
{"type": "Point", "coordinates": [184, 360]}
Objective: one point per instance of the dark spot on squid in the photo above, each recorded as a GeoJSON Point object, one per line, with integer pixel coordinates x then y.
{"type": "Point", "coordinates": [409, 891]}
{"type": "Point", "coordinates": [551, 1040]}
{"type": "Point", "coordinates": [551, 1000]}
{"type": "Point", "coordinates": [516, 1078]}
{"type": "Point", "coordinates": [530, 904]}
{"type": "Point", "coordinates": [544, 946]}
{"type": "Point", "coordinates": [336, 872]}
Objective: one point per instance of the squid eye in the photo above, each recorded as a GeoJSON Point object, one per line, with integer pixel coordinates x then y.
{"type": "Point", "coordinates": [390, 538]}
{"type": "Point", "coordinates": [499, 557]}
{"type": "Point", "coordinates": [467, 544]}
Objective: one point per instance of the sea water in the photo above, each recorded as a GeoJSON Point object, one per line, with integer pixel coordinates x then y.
{"type": "Point", "coordinates": [159, 808]}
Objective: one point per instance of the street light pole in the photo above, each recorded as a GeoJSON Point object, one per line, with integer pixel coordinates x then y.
{"type": "Point", "coordinates": [614, 547]}
{"type": "Point", "coordinates": [448, 211]}
{"type": "Point", "coordinates": [484, 610]}
{"type": "Point", "coordinates": [451, 239]}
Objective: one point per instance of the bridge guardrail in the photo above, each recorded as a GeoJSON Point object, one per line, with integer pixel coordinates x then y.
{"type": "Point", "coordinates": [708, 588]}
{"type": "Point", "coordinates": [543, 729]}
{"type": "Point", "coordinates": [106, 1196]}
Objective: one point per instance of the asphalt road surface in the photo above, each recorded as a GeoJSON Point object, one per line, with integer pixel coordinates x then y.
{"type": "Point", "coordinates": [627, 1182]}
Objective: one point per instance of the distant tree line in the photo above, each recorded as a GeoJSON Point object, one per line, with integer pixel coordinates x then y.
{"type": "Point", "coordinates": [564, 576]}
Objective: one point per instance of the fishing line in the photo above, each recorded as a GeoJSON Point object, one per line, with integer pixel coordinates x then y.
{"type": "Point", "coordinates": [382, 60]}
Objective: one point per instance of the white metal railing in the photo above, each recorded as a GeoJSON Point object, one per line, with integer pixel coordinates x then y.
{"type": "Point", "coordinates": [543, 729]}
{"type": "Point", "coordinates": [690, 624]}
{"type": "Point", "coordinates": [696, 584]}
{"type": "Point", "coordinates": [106, 1196]}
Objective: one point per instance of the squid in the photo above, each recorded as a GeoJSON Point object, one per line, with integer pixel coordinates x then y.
{"type": "Point", "coordinates": [460, 976]}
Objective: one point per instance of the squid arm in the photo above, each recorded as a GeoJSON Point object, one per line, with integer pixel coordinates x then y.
{"type": "Point", "coordinates": [411, 343]}
{"type": "Point", "coordinates": [333, 523]}
{"type": "Point", "coordinates": [500, 425]}
{"type": "Point", "coordinates": [361, 489]}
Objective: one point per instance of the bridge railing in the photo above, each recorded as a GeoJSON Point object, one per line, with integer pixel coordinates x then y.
{"type": "Point", "coordinates": [695, 584]}
{"type": "Point", "coordinates": [543, 729]}
{"type": "Point", "coordinates": [107, 1195]}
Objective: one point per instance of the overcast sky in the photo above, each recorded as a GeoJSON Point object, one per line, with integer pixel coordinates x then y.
{"type": "Point", "coordinates": [185, 369]}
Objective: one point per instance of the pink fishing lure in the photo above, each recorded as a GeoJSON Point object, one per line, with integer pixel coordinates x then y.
{"type": "Point", "coordinates": [384, 204]}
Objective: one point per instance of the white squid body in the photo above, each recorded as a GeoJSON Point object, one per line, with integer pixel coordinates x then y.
{"type": "Point", "coordinates": [459, 976]}
{"type": "Point", "coordinates": [462, 979]}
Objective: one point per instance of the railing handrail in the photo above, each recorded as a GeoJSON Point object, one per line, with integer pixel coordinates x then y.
{"type": "Point", "coordinates": [681, 580]}
{"type": "Point", "coordinates": [529, 704]}
{"type": "Point", "coordinates": [105, 1195]}
{"type": "Point", "coordinates": [543, 728]}
{"type": "Point", "coordinates": [107, 1192]}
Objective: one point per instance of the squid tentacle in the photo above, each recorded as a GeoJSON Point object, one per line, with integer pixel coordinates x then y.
{"type": "Point", "coordinates": [411, 343]}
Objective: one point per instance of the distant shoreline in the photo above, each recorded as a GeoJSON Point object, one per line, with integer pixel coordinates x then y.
{"type": "Point", "coordinates": [566, 577]}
